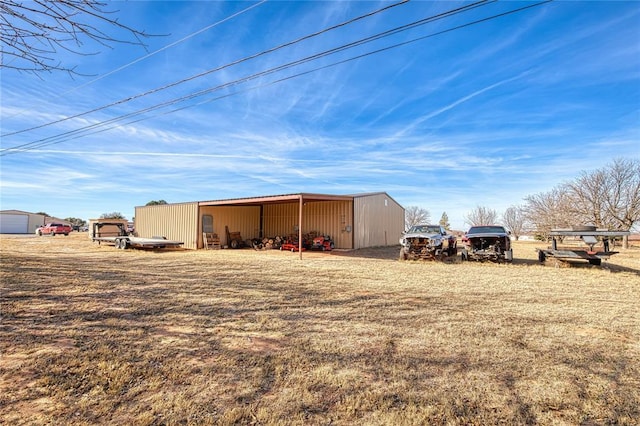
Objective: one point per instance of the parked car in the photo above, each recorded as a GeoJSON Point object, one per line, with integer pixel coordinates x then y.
{"type": "Point", "coordinates": [492, 242]}
{"type": "Point", "coordinates": [53, 229]}
{"type": "Point", "coordinates": [427, 242]}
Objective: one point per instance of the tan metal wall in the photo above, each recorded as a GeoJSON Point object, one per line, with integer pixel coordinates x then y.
{"type": "Point", "coordinates": [331, 218]}
{"type": "Point", "coordinates": [369, 221]}
{"type": "Point", "coordinates": [280, 219]}
{"type": "Point", "coordinates": [173, 221]}
{"type": "Point", "coordinates": [35, 221]}
{"type": "Point", "coordinates": [243, 219]}
{"type": "Point", "coordinates": [106, 230]}
{"type": "Point", "coordinates": [379, 221]}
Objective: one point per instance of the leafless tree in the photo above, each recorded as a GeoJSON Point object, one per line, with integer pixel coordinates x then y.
{"type": "Point", "coordinates": [32, 33]}
{"type": "Point", "coordinates": [548, 210]}
{"type": "Point", "coordinates": [608, 197]}
{"type": "Point", "coordinates": [622, 198]}
{"type": "Point", "coordinates": [414, 215]}
{"type": "Point", "coordinates": [514, 219]}
{"type": "Point", "coordinates": [587, 195]}
{"type": "Point", "coordinates": [481, 216]}
{"type": "Point", "coordinates": [622, 195]}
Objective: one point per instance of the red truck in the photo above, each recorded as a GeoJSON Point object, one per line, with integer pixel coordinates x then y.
{"type": "Point", "coordinates": [53, 229]}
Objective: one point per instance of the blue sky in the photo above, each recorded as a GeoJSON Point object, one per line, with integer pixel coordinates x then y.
{"type": "Point", "coordinates": [481, 115]}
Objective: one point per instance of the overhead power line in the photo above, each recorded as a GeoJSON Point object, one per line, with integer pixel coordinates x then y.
{"type": "Point", "coordinates": [212, 70]}
{"type": "Point", "coordinates": [59, 138]}
{"type": "Point", "coordinates": [81, 132]}
{"type": "Point", "coordinates": [291, 76]}
{"type": "Point", "coordinates": [155, 52]}
{"type": "Point", "coordinates": [170, 45]}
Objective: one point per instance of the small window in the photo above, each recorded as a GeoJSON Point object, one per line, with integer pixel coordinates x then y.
{"type": "Point", "coordinates": [207, 223]}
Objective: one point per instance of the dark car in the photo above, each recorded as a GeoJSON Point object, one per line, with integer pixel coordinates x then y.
{"type": "Point", "coordinates": [487, 242]}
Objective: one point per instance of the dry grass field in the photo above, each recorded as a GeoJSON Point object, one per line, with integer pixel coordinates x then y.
{"type": "Point", "coordinates": [94, 335]}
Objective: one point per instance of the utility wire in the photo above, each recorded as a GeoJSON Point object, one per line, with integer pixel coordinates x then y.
{"type": "Point", "coordinates": [47, 141]}
{"type": "Point", "coordinates": [170, 45]}
{"type": "Point", "coordinates": [70, 135]}
{"type": "Point", "coordinates": [83, 131]}
{"type": "Point", "coordinates": [210, 71]}
{"type": "Point", "coordinates": [370, 53]}
{"type": "Point", "coordinates": [66, 136]}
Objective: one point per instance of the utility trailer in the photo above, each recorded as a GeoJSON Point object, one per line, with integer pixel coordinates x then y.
{"type": "Point", "coordinates": [116, 234]}
{"type": "Point", "coordinates": [594, 244]}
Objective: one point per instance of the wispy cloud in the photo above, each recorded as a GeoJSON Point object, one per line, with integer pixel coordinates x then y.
{"type": "Point", "coordinates": [419, 121]}
{"type": "Point", "coordinates": [483, 116]}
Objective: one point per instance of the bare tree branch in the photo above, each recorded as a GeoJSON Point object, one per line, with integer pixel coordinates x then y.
{"type": "Point", "coordinates": [481, 216]}
{"type": "Point", "coordinates": [622, 195]}
{"type": "Point", "coordinates": [33, 33]}
{"type": "Point", "coordinates": [549, 210]}
{"type": "Point", "coordinates": [587, 195]}
{"type": "Point", "coordinates": [414, 215]}
{"type": "Point", "coordinates": [607, 198]}
{"type": "Point", "coordinates": [514, 219]}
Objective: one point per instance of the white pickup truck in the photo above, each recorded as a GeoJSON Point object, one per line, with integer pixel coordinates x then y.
{"type": "Point", "coordinates": [427, 242]}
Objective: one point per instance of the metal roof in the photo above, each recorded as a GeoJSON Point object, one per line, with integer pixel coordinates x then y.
{"type": "Point", "coordinates": [254, 201]}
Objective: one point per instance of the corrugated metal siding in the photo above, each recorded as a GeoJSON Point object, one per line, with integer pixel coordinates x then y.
{"type": "Point", "coordinates": [173, 221]}
{"type": "Point", "coordinates": [35, 221]}
{"type": "Point", "coordinates": [14, 223]}
{"type": "Point", "coordinates": [106, 230]}
{"type": "Point", "coordinates": [324, 217]}
{"type": "Point", "coordinates": [369, 221]}
{"type": "Point", "coordinates": [280, 219]}
{"type": "Point", "coordinates": [184, 222]}
{"type": "Point", "coordinates": [245, 219]}
{"type": "Point", "coordinates": [379, 221]}
{"type": "Point", "coordinates": [329, 217]}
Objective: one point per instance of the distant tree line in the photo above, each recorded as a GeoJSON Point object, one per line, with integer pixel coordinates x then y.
{"type": "Point", "coordinates": [113, 215]}
{"type": "Point", "coordinates": [75, 221]}
{"type": "Point", "coordinates": [608, 197]}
